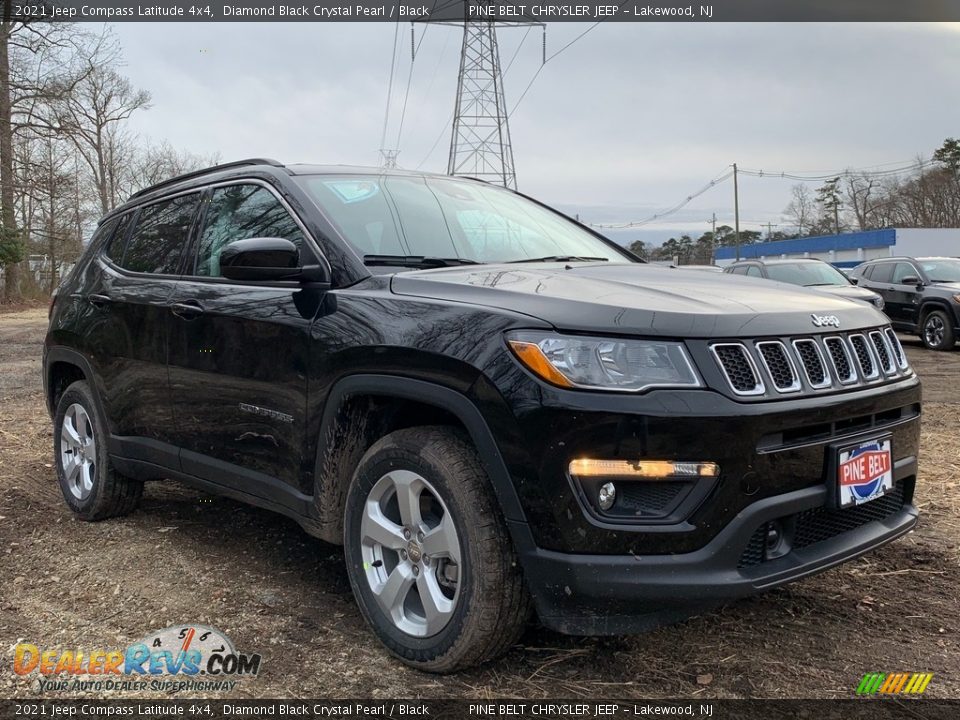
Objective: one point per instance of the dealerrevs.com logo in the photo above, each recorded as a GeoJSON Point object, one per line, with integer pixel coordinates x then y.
{"type": "Point", "coordinates": [179, 658]}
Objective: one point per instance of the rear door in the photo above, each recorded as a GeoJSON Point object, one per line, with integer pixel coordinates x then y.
{"type": "Point", "coordinates": [138, 272]}
{"type": "Point", "coordinates": [878, 278]}
{"type": "Point", "coordinates": [238, 353]}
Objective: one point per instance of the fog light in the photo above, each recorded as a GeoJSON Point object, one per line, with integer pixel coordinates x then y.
{"type": "Point", "coordinates": [607, 496]}
{"type": "Point", "coordinates": [774, 535]}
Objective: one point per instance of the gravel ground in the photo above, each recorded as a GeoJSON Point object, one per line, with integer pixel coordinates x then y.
{"type": "Point", "coordinates": [188, 557]}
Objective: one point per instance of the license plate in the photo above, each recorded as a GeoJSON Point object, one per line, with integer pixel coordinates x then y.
{"type": "Point", "coordinates": [864, 472]}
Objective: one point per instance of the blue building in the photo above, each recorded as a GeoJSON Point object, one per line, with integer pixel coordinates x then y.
{"type": "Point", "coordinates": [849, 249]}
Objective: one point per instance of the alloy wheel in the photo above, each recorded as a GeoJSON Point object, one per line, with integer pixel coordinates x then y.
{"type": "Point", "coordinates": [411, 553]}
{"type": "Point", "coordinates": [78, 451]}
{"type": "Point", "coordinates": [933, 330]}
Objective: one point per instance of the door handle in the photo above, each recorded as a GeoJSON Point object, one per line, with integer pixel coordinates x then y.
{"type": "Point", "coordinates": [187, 310]}
{"type": "Point", "coordinates": [99, 300]}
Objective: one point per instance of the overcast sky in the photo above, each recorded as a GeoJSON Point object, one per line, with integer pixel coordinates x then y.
{"type": "Point", "coordinates": [628, 121]}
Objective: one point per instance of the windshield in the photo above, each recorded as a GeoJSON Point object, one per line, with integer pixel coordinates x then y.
{"type": "Point", "coordinates": [941, 270]}
{"type": "Point", "coordinates": [448, 218]}
{"type": "Point", "coordinates": [808, 274]}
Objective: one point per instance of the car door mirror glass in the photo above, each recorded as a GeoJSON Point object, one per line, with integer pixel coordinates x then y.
{"type": "Point", "coordinates": [910, 280]}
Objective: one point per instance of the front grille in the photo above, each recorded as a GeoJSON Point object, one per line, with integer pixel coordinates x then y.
{"type": "Point", "coordinates": [864, 359]}
{"type": "Point", "coordinates": [885, 356]}
{"type": "Point", "coordinates": [840, 357]}
{"type": "Point", "coordinates": [769, 367]}
{"type": "Point", "coordinates": [812, 362]}
{"type": "Point", "coordinates": [778, 365]}
{"type": "Point", "coordinates": [897, 348]}
{"type": "Point", "coordinates": [738, 368]}
{"type": "Point", "coordinates": [810, 527]}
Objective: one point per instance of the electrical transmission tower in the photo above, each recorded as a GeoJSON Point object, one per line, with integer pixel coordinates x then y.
{"type": "Point", "coordinates": [480, 142]}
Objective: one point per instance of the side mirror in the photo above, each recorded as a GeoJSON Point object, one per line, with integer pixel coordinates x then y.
{"type": "Point", "coordinates": [854, 281]}
{"type": "Point", "coordinates": [266, 259]}
{"type": "Point", "coordinates": [910, 280]}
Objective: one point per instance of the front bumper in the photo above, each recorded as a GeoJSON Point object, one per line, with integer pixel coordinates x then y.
{"type": "Point", "coordinates": [615, 594]}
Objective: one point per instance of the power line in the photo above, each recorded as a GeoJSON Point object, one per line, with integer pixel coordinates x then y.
{"type": "Point", "coordinates": [867, 172]}
{"type": "Point", "coordinates": [389, 158]}
{"type": "Point", "coordinates": [551, 57]}
{"type": "Point", "coordinates": [666, 213]}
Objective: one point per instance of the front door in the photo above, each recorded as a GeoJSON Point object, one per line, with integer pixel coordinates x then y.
{"type": "Point", "coordinates": [238, 354]}
{"type": "Point", "coordinates": [905, 296]}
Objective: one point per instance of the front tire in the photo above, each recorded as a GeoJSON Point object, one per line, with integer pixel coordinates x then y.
{"type": "Point", "coordinates": [428, 553]}
{"type": "Point", "coordinates": [92, 488]}
{"type": "Point", "coordinates": [937, 331]}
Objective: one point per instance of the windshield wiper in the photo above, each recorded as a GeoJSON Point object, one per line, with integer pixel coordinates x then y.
{"type": "Point", "coordinates": [416, 261]}
{"type": "Point", "coordinates": [818, 284]}
{"type": "Point", "coordinates": [560, 258]}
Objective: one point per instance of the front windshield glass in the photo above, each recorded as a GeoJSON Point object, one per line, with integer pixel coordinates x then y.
{"type": "Point", "coordinates": [942, 270]}
{"type": "Point", "coordinates": [808, 274]}
{"type": "Point", "coordinates": [448, 218]}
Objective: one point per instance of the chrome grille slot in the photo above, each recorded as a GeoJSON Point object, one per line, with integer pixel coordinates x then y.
{"type": "Point", "coordinates": [779, 367]}
{"type": "Point", "coordinates": [897, 348]}
{"type": "Point", "coordinates": [868, 370]}
{"type": "Point", "coordinates": [841, 360]}
{"type": "Point", "coordinates": [738, 367]}
{"type": "Point", "coordinates": [814, 366]}
{"type": "Point", "coordinates": [884, 354]}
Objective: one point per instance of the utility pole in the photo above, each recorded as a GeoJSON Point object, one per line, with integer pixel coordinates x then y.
{"type": "Point", "coordinates": [736, 211]}
{"type": "Point", "coordinates": [770, 227]}
{"type": "Point", "coordinates": [713, 239]}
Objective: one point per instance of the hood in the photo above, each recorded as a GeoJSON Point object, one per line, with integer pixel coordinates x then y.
{"type": "Point", "coordinates": [635, 298]}
{"type": "Point", "coordinates": [848, 291]}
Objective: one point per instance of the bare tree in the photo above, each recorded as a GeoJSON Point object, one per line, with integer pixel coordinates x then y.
{"type": "Point", "coordinates": [155, 163]}
{"type": "Point", "coordinates": [802, 207]}
{"type": "Point", "coordinates": [862, 195]}
{"type": "Point", "coordinates": [93, 116]}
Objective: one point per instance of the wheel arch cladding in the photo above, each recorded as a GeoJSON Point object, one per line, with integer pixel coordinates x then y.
{"type": "Point", "coordinates": [363, 408]}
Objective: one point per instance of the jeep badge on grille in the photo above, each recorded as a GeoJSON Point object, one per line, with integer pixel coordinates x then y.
{"type": "Point", "coordinates": [825, 320]}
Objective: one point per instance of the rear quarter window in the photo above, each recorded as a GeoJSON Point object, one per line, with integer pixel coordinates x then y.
{"type": "Point", "coordinates": [115, 237]}
{"type": "Point", "coordinates": [160, 236]}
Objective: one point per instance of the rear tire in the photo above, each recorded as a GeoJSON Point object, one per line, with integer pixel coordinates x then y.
{"type": "Point", "coordinates": [936, 331]}
{"type": "Point", "coordinates": [92, 488]}
{"type": "Point", "coordinates": [420, 491]}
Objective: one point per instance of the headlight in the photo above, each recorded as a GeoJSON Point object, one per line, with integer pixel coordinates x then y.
{"type": "Point", "coordinates": [604, 363]}
{"type": "Point", "coordinates": [878, 301]}
{"type": "Point", "coordinates": [956, 298]}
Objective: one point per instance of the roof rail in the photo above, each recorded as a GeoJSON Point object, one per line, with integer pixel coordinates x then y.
{"type": "Point", "coordinates": [204, 171]}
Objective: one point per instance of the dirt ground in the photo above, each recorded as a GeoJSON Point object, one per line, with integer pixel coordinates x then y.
{"type": "Point", "coordinates": [188, 557]}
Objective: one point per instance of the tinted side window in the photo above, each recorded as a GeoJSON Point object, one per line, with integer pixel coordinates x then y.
{"type": "Point", "coordinates": [103, 232]}
{"type": "Point", "coordinates": [902, 270]}
{"type": "Point", "coordinates": [115, 244]}
{"type": "Point", "coordinates": [754, 271]}
{"type": "Point", "coordinates": [882, 272]}
{"type": "Point", "coordinates": [741, 270]}
{"type": "Point", "coordinates": [160, 235]}
{"type": "Point", "coordinates": [240, 212]}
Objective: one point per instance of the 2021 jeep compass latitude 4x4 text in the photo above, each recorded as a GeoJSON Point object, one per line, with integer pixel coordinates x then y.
{"type": "Point", "coordinates": [495, 410]}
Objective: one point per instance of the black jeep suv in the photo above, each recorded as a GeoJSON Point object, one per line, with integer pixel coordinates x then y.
{"type": "Point", "coordinates": [922, 295]}
{"type": "Point", "coordinates": [494, 409]}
